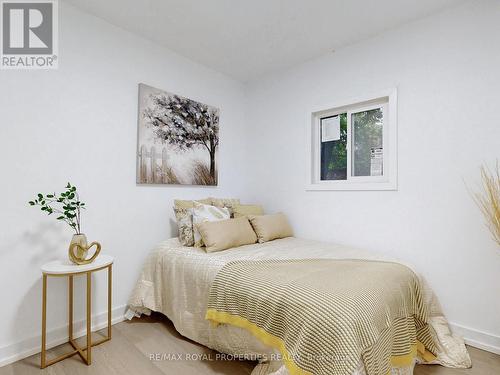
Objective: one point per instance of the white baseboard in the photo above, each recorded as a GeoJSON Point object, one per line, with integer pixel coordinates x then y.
{"type": "Point", "coordinates": [478, 339]}
{"type": "Point", "coordinates": [25, 348]}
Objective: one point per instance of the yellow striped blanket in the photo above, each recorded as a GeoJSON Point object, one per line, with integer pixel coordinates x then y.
{"type": "Point", "coordinates": [324, 315]}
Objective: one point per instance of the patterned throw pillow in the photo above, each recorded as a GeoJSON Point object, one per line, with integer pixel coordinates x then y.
{"type": "Point", "coordinates": [204, 212]}
{"type": "Point", "coordinates": [228, 203]}
{"type": "Point", "coordinates": [184, 219]}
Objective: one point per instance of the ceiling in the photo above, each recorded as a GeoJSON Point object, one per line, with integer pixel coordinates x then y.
{"type": "Point", "coordinates": [247, 39]}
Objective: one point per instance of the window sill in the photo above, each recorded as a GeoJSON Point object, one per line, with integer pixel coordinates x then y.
{"type": "Point", "coordinates": [354, 186]}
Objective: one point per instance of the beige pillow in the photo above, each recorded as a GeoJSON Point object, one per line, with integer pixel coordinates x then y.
{"type": "Point", "coordinates": [224, 234]}
{"type": "Point", "coordinates": [178, 203]}
{"type": "Point", "coordinates": [204, 212]}
{"type": "Point", "coordinates": [224, 202]}
{"type": "Point", "coordinates": [247, 209]}
{"type": "Point", "coordinates": [270, 227]}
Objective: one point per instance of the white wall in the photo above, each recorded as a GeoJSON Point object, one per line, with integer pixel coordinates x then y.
{"type": "Point", "coordinates": [79, 124]}
{"type": "Point", "coordinates": [446, 69]}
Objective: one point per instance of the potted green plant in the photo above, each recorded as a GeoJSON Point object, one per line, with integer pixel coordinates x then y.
{"type": "Point", "coordinates": [68, 207]}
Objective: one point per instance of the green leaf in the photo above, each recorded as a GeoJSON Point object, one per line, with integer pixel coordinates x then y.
{"type": "Point", "coordinates": [31, 203]}
{"type": "Point", "coordinates": [60, 218]}
{"type": "Point", "coordinates": [50, 196]}
{"type": "Point", "coordinates": [40, 196]}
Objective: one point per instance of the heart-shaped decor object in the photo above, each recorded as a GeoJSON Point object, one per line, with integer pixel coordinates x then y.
{"type": "Point", "coordinates": [78, 252]}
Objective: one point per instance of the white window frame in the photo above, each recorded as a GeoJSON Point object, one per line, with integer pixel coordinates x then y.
{"type": "Point", "coordinates": [387, 101]}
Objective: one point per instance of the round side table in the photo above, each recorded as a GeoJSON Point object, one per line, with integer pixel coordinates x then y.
{"type": "Point", "coordinates": [64, 268]}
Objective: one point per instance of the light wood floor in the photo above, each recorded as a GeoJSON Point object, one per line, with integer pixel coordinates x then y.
{"type": "Point", "coordinates": [134, 342]}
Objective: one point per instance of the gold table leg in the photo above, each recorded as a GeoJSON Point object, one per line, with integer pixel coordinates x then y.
{"type": "Point", "coordinates": [89, 308]}
{"type": "Point", "coordinates": [44, 321]}
{"type": "Point", "coordinates": [110, 282]}
{"type": "Point", "coordinates": [86, 357]}
{"type": "Point", "coordinates": [70, 307]}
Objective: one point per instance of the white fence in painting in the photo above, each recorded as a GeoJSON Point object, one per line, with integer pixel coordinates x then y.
{"type": "Point", "coordinates": [153, 166]}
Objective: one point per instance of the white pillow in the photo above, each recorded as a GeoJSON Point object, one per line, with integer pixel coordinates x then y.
{"type": "Point", "coordinates": [204, 212]}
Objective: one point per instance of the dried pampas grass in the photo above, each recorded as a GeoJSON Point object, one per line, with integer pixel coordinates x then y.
{"type": "Point", "coordinates": [489, 199]}
{"type": "Point", "coordinates": [169, 176]}
{"type": "Point", "coordinates": [201, 174]}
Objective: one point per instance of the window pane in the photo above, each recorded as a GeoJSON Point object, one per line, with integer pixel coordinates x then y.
{"type": "Point", "coordinates": [333, 132]}
{"type": "Point", "coordinates": [367, 151]}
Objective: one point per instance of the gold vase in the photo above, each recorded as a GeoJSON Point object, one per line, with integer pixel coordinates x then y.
{"type": "Point", "coordinates": [79, 249]}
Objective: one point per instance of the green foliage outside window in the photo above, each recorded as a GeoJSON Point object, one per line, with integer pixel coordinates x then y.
{"type": "Point", "coordinates": [334, 155]}
{"type": "Point", "coordinates": [367, 134]}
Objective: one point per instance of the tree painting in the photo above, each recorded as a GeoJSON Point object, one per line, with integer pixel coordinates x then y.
{"type": "Point", "coordinates": [188, 133]}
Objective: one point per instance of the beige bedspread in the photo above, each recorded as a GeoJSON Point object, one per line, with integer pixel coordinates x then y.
{"type": "Point", "coordinates": [176, 280]}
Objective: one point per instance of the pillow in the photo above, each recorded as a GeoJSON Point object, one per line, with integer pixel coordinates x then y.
{"type": "Point", "coordinates": [204, 212]}
{"type": "Point", "coordinates": [224, 202]}
{"type": "Point", "coordinates": [224, 234]}
{"type": "Point", "coordinates": [240, 210]}
{"type": "Point", "coordinates": [270, 227]}
{"type": "Point", "coordinates": [178, 203]}
{"type": "Point", "coordinates": [184, 219]}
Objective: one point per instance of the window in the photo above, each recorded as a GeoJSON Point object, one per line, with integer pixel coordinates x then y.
{"type": "Point", "coordinates": [353, 146]}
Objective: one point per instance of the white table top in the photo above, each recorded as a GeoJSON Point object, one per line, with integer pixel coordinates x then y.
{"type": "Point", "coordinates": [58, 267]}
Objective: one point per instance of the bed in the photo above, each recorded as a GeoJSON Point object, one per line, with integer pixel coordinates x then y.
{"type": "Point", "coordinates": [176, 281]}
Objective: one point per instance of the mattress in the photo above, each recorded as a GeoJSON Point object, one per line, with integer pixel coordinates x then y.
{"type": "Point", "coordinates": [175, 281]}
